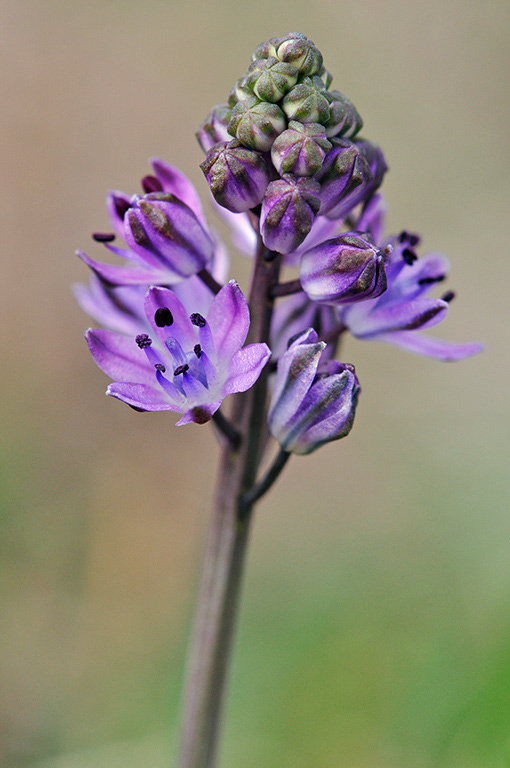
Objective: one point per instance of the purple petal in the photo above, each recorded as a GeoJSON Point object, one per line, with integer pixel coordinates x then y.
{"type": "Point", "coordinates": [140, 396]}
{"type": "Point", "coordinates": [117, 203]}
{"type": "Point", "coordinates": [421, 313]}
{"type": "Point", "coordinates": [119, 356]}
{"type": "Point", "coordinates": [174, 181]}
{"type": "Point", "coordinates": [229, 318]}
{"type": "Point", "coordinates": [181, 327]}
{"type": "Point", "coordinates": [124, 275]}
{"type": "Point", "coordinates": [117, 308]}
{"type": "Point", "coordinates": [429, 346]}
{"type": "Point", "coordinates": [243, 234]}
{"type": "Point", "coordinates": [245, 368]}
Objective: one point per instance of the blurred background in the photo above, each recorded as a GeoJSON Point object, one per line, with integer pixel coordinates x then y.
{"type": "Point", "coordinates": [375, 627]}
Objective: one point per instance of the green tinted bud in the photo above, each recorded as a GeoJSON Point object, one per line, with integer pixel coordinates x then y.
{"type": "Point", "coordinates": [271, 79]}
{"type": "Point", "coordinates": [300, 149]}
{"type": "Point", "coordinates": [256, 124]}
{"type": "Point", "coordinates": [326, 77]}
{"type": "Point", "coordinates": [301, 52]}
{"type": "Point", "coordinates": [306, 104]}
{"type": "Point", "coordinates": [238, 177]}
{"type": "Point", "coordinates": [289, 209]}
{"type": "Point", "coordinates": [344, 119]}
{"type": "Point", "coordinates": [241, 91]}
{"type": "Point", "coordinates": [214, 127]}
{"type": "Point", "coordinates": [267, 49]}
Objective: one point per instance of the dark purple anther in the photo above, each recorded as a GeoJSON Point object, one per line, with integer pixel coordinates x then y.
{"type": "Point", "coordinates": [160, 367]}
{"type": "Point", "coordinates": [409, 256]}
{"type": "Point", "coordinates": [103, 237]}
{"type": "Point", "coordinates": [431, 280]}
{"type": "Point", "coordinates": [197, 349]}
{"type": "Point", "coordinates": [151, 184]}
{"type": "Point", "coordinates": [197, 320]}
{"type": "Point", "coordinates": [181, 369]}
{"type": "Point", "coordinates": [448, 296]}
{"type": "Point", "coordinates": [143, 340]}
{"type": "Point", "coordinates": [163, 317]}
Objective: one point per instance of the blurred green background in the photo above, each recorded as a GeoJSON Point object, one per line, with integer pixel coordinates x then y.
{"type": "Point", "coordinates": [375, 627]}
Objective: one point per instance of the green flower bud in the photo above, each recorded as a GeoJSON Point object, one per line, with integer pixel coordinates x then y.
{"type": "Point", "coordinates": [344, 119]}
{"type": "Point", "coordinates": [326, 77]}
{"type": "Point", "coordinates": [256, 124]}
{"type": "Point", "coordinates": [271, 79]}
{"type": "Point", "coordinates": [300, 149]}
{"type": "Point", "coordinates": [241, 91]}
{"type": "Point", "coordinates": [289, 209]}
{"type": "Point", "coordinates": [267, 49]}
{"type": "Point", "coordinates": [214, 127]}
{"type": "Point", "coordinates": [301, 52]}
{"type": "Point", "coordinates": [306, 104]}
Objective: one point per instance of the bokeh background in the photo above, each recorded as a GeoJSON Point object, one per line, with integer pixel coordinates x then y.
{"type": "Point", "coordinates": [375, 627]}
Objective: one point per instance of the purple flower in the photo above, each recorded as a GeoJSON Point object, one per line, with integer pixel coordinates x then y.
{"type": "Point", "coordinates": [404, 308]}
{"type": "Point", "coordinates": [313, 402]}
{"type": "Point", "coordinates": [165, 230]}
{"type": "Point", "coordinates": [188, 363]}
{"type": "Point", "coordinates": [344, 269]}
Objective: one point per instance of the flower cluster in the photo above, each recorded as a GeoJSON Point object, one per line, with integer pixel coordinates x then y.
{"type": "Point", "coordinates": [287, 142]}
{"type": "Point", "coordinates": [298, 186]}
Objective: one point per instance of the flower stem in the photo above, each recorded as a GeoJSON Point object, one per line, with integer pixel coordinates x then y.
{"type": "Point", "coordinates": [286, 289]}
{"type": "Point", "coordinates": [272, 474]}
{"type": "Point", "coordinates": [219, 589]}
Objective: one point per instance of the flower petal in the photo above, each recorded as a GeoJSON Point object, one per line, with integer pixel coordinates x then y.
{"type": "Point", "coordinates": [229, 319]}
{"type": "Point", "coordinates": [430, 346]}
{"type": "Point", "coordinates": [124, 275]}
{"type": "Point", "coordinates": [199, 414]}
{"type": "Point", "coordinates": [245, 368]}
{"type": "Point", "coordinates": [180, 328]}
{"type": "Point", "coordinates": [408, 316]}
{"type": "Point", "coordinates": [140, 396]}
{"type": "Point", "coordinates": [174, 181]}
{"type": "Point", "coordinates": [119, 356]}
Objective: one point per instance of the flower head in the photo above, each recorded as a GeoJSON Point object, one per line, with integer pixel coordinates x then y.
{"type": "Point", "coordinates": [313, 402]}
{"type": "Point", "coordinates": [165, 230]}
{"type": "Point", "coordinates": [397, 315]}
{"type": "Point", "coordinates": [188, 363]}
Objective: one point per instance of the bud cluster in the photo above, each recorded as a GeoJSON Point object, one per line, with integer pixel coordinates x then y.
{"type": "Point", "coordinates": [283, 140]}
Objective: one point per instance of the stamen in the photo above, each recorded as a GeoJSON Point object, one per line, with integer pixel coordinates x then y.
{"type": "Point", "coordinates": [409, 237]}
{"type": "Point", "coordinates": [181, 369]}
{"type": "Point", "coordinates": [143, 340]}
{"type": "Point", "coordinates": [198, 320]}
{"type": "Point", "coordinates": [431, 280]}
{"type": "Point", "coordinates": [409, 256]}
{"type": "Point", "coordinates": [160, 367]}
{"type": "Point", "coordinates": [197, 349]}
{"type": "Point", "coordinates": [121, 207]}
{"type": "Point", "coordinates": [163, 317]}
{"type": "Point", "coordinates": [448, 296]}
{"type": "Point", "coordinates": [103, 237]}
{"type": "Point", "coordinates": [151, 184]}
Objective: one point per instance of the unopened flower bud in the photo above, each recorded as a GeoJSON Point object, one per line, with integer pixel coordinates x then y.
{"type": "Point", "coordinates": [214, 127]}
{"type": "Point", "coordinates": [165, 232]}
{"type": "Point", "coordinates": [377, 162]}
{"type": "Point", "coordinates": [271, 79]}
{"type": "Point", "coordinates": [289, 209]}
{"type": "Point", "coordinates": [267, 49]}
{"type": "Point", "coordinates": [307, 104]}
{"type": "Point", "coordinates": [300, 149]}
{"type": "Point", "coordinates": [344, 119]}
{"type": "Point", "coordinates": [326, 76]}
{"type": "Point", "coordinates": [256, 124]}
{"type": "Point", "coordinates": [301, 52]}
{"type": "Point", "coordinates": [242, 90]}
{"type": "Point", "coordinates": [344, 177]}
{"type": "Point", "coordinates": [238, 177]}
{"type": "Point", "coordinates": [313, 402]}
{"type": "Point", "coordinates": [344, 269]}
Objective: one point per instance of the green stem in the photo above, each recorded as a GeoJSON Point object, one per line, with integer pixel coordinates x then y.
{"type": "Point", "coordinates": [219, 589]}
